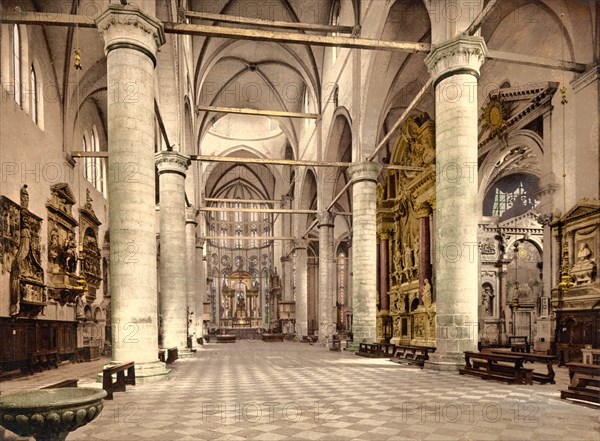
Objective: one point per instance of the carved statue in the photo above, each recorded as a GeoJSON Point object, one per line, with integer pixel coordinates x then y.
{"type": "Point", "coordinates": [397, 266]}
{"type": "Point", "coordinates": [584, 252]}
{"type": "Point", "coordinates": [397, 327]}
{"type": "Point", "coordinates": [24, 197]}
{"type": "Point", "coordinates": [408, 263]}
{"type": "Point", "coordinates": [88, 199]}
{"type": "Point", "coordinates": [487, 299]}
{"type": "Point", "coordinates": [426, 294]}
{"type": "Point", "coordinates": [53, 247]}
{"type": "Point", "coordinates": [69, 256]}
{"type": "Point", "coordinates": [584, 270]}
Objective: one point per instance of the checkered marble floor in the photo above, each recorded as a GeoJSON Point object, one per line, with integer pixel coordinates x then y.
{"type": "Point", "coordinates": [253, 390]}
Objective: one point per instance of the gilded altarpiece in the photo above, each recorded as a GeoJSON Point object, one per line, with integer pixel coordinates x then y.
{"type": "Point", "coordinates": [576, 295]}
{"type": "Point", "coordinates": [404, 212]}
{"type": "Point", "coordinates": [62, 245]}
{"type": "Point", "coordinates": [91, 260]}
{"type": "Point", "coordinates": [22, 252]}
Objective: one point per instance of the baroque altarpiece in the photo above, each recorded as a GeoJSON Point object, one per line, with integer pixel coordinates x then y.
{"type": "Point", "coordinates": [405, 201]}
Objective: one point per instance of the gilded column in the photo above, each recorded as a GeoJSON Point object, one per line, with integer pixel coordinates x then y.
{"type": "Point", "coordinates": [455, 68]}
{"type": "Point", "coordinates": [131, 40]}
{"type": "Point", "coordinates": [364, 251]}
{"type": "Point", "coordinates": [172, 167]}
{"type": "Point", "coordinates": [423, 213]}
{"type": "Point", "coordinates": [384, 298]}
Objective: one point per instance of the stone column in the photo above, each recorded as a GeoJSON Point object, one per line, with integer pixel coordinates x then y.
{"type": "Point", "coordinates": [194, 306]}
{"type": "Point", "coordinates": [327, 311]}
{"type": "Point", "coordinates": [301, 289]}
{"type": "Point", "coordinates": [455, 67]}
{"type": "Point", "coordinates": [131, 40]}
{"type": "Point", "coordinates": [364, 251]}
{"type": "Point", "coordinates": [423, 213]}
{"type": "Point", "coordinates": [172, 266]}
{"type": "Point", "coordinates": [201, 287]}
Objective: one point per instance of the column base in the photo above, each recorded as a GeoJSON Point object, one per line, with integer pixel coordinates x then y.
{"type": "Point", "coordinates": [149, 372]}
{"type": "Point", "coordinates": [352, 347]}
{"type": "Point", "coordinates": [450, 361]}
{"type": "Point", "coordinates": [186, 353]}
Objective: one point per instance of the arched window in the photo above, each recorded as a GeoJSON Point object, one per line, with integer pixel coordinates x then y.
{"type": "Point", "coordinates": [34, 95]}
{"type": "Point", "coordinates": [335, 21]}
{"type": "Point", "coordinates": [86, 148]}
{"type": "Point", "coordinates": [92, 161]}
{"type": "Point", "coordinates": [16, 64]}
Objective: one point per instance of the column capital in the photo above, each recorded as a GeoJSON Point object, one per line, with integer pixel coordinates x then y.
{"type": "Point", "coordinates": [191, 213]}
{"type": "Point", "coordinates": [300, 244]}
{"type": "Point", "coordinates": [130, 27]}
{"type": "Point", "coordinates": [200, 242]}
{"type": "Point", "coordinates": [384, 233]}
{"type": "Point", "coordinates": [325, 219]}
{"type": "Point", "coordinates": [364, 171]}
{"type": "Point", "coordinates": [423, 210]}
{"type": "Point", "coordinates": [286, 201]}
{"type": "Point", "coordinates": [172, 162]}
{"type": "Point", "coordinates": [459, 55]}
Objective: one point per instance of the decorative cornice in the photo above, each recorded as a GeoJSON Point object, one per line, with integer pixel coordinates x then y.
{"type": "Point", "coordinates": [585, 79]}
{"type": "Point", "coordinates": [172, 162]}
{"type": "Point", "coordinates": [128, 26]}
{"type": "Point", "coordinates": [461, 54]}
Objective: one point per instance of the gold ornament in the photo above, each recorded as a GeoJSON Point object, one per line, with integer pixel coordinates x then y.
{"type": "Point", "coordinates": [495, 114]}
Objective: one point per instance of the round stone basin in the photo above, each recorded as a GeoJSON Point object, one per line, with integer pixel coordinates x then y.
{"type": "Point", "coordinates": [50, 414]}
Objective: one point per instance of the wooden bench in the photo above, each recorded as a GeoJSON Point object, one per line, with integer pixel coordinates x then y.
{"type": "Point", "coordinates": [309, 339]}
{"type": "Point", "coordinates": [41, 360]}
{"type": "Point", "coordinates": [585, 382]}
{"type": "Point", "coordinates": [542, 378]}
{"type": "Point", "coordinates": [518, 343]}
{"type": "Point", "coordinates": [500, 367]}
{"type": "Point", "coordinates": [370, 350]}
{"type": "Point", "coordinates": [226, 338]}
{"type": "Point", "coordinates": [411, 355]}
{"type": "Point", "coordinates": [272, 337]}
{"type": "Point", "coordinates": [64, 383]}
{"type": "Point", "coordinates": [111, 386]}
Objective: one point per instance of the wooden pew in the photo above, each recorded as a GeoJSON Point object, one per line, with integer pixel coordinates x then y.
{"type": "Point", "coordinates": [370, 350]}
{"type": "Point", "coordinates": [585, 382]}
{"type": "Point", "coordinates": [226, 338]}
{"type": "Point", "coordinates": [65, 383]}
{"type": "Point", "coordinates": [542, 378]}
{"type": "Point", "coordinates": [411, 355]}
{"type": "Point", "coordinates": [272, 337]}
{"type": "Point", "coordinates": [119, 384]}
{"type": "Point", "coordinates": [42, 360]}
{"type": "Point", "coordinates": [501, 367]}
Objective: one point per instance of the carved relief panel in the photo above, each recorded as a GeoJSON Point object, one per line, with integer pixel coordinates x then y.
{"type": "Point", "coordinates": [27, 289]}
{"type": "Point", "coordinates": [62, 245]}
{"type": "Point", "coordinates": [10, 229]}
